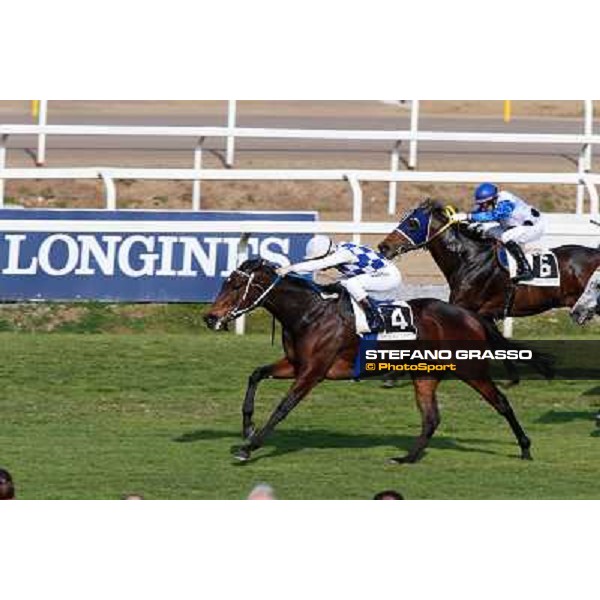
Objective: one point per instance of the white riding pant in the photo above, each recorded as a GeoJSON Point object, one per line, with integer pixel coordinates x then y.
{"type": "Point", "coordinates": [385, 283]}
{"type": "Point", "coordinates": [522, 234]}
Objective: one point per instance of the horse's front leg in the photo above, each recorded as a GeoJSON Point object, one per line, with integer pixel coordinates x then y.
{"type": "Point", "coordinates": [305, 382]}
{"type": "Point", "coordinates": [282, 369]}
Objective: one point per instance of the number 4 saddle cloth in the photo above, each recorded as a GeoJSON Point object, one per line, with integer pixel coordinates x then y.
{"type": "Point", "coordinates": [397, 316]}
{"type": "Point", "coordinates": [543, 262]}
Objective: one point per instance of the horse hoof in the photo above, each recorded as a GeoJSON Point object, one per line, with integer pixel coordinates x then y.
{"type": "Point", "coordinates": [526, 455]}
{"type": "Point", "coordinates": [242, 455]}
{"type": "Point", "coordinates": [400, 460]}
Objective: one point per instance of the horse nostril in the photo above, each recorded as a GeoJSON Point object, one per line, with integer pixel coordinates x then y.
{"type": "Point", "coordinates": [384, 249]}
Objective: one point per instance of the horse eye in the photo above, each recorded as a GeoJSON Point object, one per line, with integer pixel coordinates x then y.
{"type": "Point", "coordinates": [414, 224]}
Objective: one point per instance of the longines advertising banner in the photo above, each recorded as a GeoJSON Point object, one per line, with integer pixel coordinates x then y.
{"type": "Point", "coordinates": [131, 256]}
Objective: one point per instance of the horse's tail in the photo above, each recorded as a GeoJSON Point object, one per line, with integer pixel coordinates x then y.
{"type": "Point", "coordinates": [543, 363]}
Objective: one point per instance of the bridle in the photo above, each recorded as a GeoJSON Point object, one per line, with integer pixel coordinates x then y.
{"type": "Point", "coordinates": [447, 211]}
{"type": "Point", "coordinates": [236, 312]}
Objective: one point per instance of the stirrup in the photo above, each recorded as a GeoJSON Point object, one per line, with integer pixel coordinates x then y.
{"type": "Point", "coordinates": [374, 319]}
{"type": "Point", "coordinates": [376, 325]}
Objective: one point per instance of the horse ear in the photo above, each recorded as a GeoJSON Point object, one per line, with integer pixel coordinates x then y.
{"type": "Point", "coordinates": [431, 204]}
{"type": "Point", "coordinates": [263, 262]}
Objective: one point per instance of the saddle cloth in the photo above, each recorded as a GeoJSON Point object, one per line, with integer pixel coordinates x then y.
{"type": "Point", "coordinates": [543, 263]}
{"type": "Point", "coordinates": [397, 316]}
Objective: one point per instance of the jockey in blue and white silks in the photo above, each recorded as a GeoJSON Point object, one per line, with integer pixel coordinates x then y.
{"type": "Point", "coordinates": [363, 271]}
{"type": "Point", "coordinates": [517, 222]}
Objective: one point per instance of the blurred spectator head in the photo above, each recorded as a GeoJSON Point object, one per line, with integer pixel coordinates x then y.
{"type": "Point", "coordinates": [262, 491]}
{"type": "Point", "coordinates": [388, 495]}
{"type": "Point", "coordinates": [7, 487]}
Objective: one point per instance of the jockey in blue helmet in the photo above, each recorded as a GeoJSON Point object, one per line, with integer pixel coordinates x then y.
{"type": "Point", "coordinates": [363, 270]}
{"type": "Point", "coordinates": [517, 222]}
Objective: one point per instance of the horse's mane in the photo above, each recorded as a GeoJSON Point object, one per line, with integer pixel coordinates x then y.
{"type": "Point", "coordinates": [301, 281]}
{"type": "Point", "coordinates": [254, 264]}
{"type": "Point", "coordinates": [309, 284]}
{"type": "Point", "coordinates": [460, 232]}
{"type": "Point", "coordinates": [473, 236]}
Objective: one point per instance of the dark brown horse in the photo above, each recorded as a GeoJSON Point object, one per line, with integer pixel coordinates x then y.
{"type": "Point", "coordinates": [320, 342]}
{"type": "Point", "coordinates": [476, 279]}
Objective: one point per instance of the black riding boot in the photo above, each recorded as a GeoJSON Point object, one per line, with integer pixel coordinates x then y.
{"type": "Point", "coordinates": [374, 318]}
{"type": "Point", "coordinates": [524, 272]}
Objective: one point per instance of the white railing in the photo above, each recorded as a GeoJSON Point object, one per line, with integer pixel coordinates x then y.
{"type": "Point", "coordinates": [588, 117]}
{"type": "Point", "coordinates": [354, 178]}
{"type": "Point", "coordinates": [230, 133]}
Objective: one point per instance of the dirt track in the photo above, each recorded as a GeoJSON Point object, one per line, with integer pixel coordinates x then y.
{"type": "Point", "coordinates": [300, 108]}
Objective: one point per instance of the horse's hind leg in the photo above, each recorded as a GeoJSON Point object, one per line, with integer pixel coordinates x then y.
{"type": "Point", "coordinates": [430, 418]}
{"type": "Point", "coordinates": [282, 369]}
{"type": "Point", "coordinates": [498, 400]}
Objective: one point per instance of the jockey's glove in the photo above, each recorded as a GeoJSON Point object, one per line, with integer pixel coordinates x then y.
{"type": "Point", "coordinates": [283, 271]}
{"type": "Point", "coordinates": [458, 217]}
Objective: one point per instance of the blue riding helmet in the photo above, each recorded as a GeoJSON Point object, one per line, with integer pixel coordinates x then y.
{"type": "Point", "coordinates": [485, 192]}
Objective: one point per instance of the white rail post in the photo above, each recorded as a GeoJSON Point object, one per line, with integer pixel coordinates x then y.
{"type": "Point", "coordinates": [240, 325]}
{"type": "Point", "coordinates": [2, 166]}
{"type": "Point", "coordinates": [584, 164]}
{"type": "Point", "coordinates": [587, 152]}
{"type": "Point", "coordinates": [508, 327]}
{"type": "Point", "coordinates": [40, 157]}
{"type": "Point", "coordinates": [393, 186]}
{"type": "Point", "coordinates": [242, 255]}
{"type": "Point", "coordinates": [579, 201]}
{"type": "Point", "coordinates": [414, 129]}
{"type": "Point", "coordinates": [110, 190]}
{"type": "Point", "coordinates": [231, 117]}
{"type": "Point", "coordinates": [594, 198]}
{"type": "Point", "coordinates": [196, 186]}
{"type": "Point", "coordinates": [589, 130]}
{"type": "Point", "coordinates": [357, 204]}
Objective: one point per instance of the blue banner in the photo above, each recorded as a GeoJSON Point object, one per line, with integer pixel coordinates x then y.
{"type": "Point", "coordinates": [130, 256]}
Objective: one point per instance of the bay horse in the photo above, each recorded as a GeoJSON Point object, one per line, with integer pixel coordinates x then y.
{"type": "Point", "coordinates": [320, 342]}
{"type": "Point", "coordinates": [476, 279]}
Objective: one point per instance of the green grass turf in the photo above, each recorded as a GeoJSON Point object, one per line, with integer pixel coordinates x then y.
{"type": "Point", "coordinates": [99, 415]}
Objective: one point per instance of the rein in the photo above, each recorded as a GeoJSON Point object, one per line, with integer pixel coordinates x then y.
{"type": "Point", "coordinates": [448, 212]}
{"type": "Point", "coordinates": [237, 311]}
